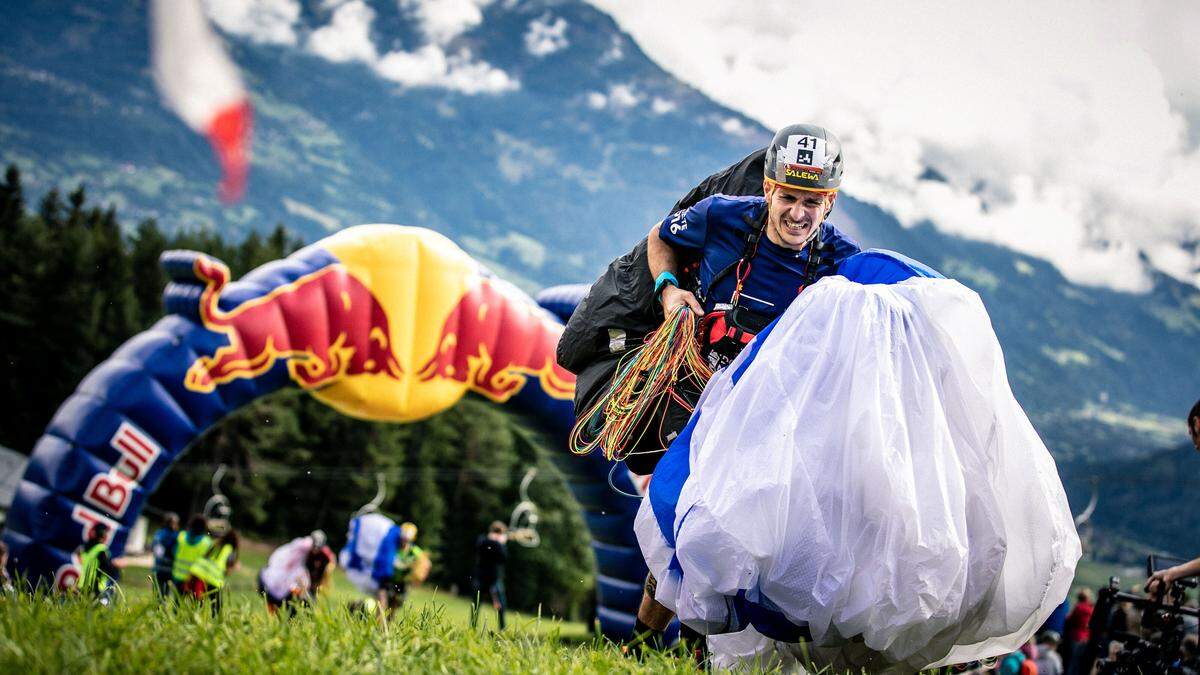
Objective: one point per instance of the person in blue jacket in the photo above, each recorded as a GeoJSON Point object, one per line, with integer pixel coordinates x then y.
{"type": "Point", "coordinates": [746, 258]}
{"type": "Point", "coordinates": [163, 548]}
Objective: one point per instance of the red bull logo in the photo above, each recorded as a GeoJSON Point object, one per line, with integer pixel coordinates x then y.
{"type": "Point", "coordinates": [326, 325]}
{"type": "Point", "coordinates": [489, 343]}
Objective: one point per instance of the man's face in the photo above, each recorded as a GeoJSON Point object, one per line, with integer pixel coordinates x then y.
{"type": "Point", "coordinates": [1194, 432]}
{"type": "Point", "coordinates": [794, 215]}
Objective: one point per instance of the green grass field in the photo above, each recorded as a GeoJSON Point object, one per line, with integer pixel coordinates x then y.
{"type": "Point", "coordinates": [137, 585]}
{"type": "Point", "coordinates": [432, 633]}
{"type": "Point", "coordinates": [48, 635]}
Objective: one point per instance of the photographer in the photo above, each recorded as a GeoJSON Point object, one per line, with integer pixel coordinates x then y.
{"type": "Point", "coordinates": [1163, 578]}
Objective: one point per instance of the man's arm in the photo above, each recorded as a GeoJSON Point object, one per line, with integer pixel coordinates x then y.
{"type": "Point", "coordinates": [108, 567]}
{"type": "Point", "coordinates": [662, 258]}
{"type": "Point", "coordinates": [1163, 578]}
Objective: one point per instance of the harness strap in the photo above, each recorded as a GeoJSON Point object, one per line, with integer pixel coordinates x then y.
{"type": "Point", "coordinates": [748, 253]}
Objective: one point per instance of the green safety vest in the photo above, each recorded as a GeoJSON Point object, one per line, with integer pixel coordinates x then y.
{"type": "Point", "coordinates": [211, 568]}
{"type": "Point", "coordinates": [187, 554]}
{"type": "Point", "coordinates": [91, 580]}
{"type": "Point", "coordinates": [404, 562]}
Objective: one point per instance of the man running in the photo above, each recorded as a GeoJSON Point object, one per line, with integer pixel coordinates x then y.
{"type": "Point", "coordinates": [491, 553]}
{"type": "Point", "coordinates": [295, 572]}
{"type": "Point", "coordinates": [748, 257]}
{"type": "Point", "coordinates": [410, 567]}
{"type": "Point", "coordinates": [163, 547]}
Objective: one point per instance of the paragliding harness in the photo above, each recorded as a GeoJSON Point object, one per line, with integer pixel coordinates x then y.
{"type": "Point", "coordinates": [620, 313]}
{"type": "Point", "coordinates": [729, 327]}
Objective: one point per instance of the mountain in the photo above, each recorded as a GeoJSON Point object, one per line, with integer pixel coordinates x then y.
{"type": "Point", "coordinates": [548, 180]}
{"type": "Point", "coordinates": [545, 142]}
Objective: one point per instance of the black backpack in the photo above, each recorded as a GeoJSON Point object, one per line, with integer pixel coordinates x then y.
{"type": "Point", "coordinates": [619, 311]}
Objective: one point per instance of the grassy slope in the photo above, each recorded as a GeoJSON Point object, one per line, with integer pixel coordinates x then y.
{"type": "Point", "coordinates": [137, 585]}
{"type": "Point", "coordinates": [432, 633]}
{"type": "Point", "coordinates": [46, 635]}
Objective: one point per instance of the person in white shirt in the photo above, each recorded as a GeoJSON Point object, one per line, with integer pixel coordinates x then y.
{"type": "Point", "coordinates": [295, 571]}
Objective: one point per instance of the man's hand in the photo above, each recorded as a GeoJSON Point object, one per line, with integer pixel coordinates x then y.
{"type": "Point", "coordinates": [674, 297]}
{"type": "Point", "coordinates": [1159, 581]}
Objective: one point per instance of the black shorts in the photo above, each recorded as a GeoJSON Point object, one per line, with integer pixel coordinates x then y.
{"type": "Point", "coordinates": [397, 592]}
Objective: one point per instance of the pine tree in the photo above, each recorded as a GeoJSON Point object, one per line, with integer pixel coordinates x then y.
{"type": "Point", "coordinates": [114, 308]}
{"type": "Point", "coordinates": [23, 253]}
{"type": "Point", "coordinates": [146, 278]}
{"type": "Point", "coordinates": [12, 199]}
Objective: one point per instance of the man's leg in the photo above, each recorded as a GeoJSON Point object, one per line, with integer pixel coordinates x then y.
{"type": "Point", "coordinates": [162, 582]}
{"type": "Point", "coordinates": [497, 592]}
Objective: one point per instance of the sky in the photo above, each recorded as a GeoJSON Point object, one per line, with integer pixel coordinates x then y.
{"type": "Point", "coordinates": [1065, 130]}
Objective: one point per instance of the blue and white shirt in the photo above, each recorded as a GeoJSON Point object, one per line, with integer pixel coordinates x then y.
{"type": "Point", "coordinates": [716, 229]}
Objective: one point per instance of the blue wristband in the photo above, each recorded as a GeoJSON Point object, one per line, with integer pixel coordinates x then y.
{"type": "Point", "coordinates": [661, 282]}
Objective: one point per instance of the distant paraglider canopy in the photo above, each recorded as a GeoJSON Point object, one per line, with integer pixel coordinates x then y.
{"type": "Point", "coordinates": [522, 524]}
{"type": "Point", "coordinates": [217, 510]}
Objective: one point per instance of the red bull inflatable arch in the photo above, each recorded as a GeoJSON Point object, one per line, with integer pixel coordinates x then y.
{"type": "Point", "coordinates": [381, 322]}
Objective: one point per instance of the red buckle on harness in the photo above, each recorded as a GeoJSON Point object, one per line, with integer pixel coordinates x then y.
{"type": "Point", "coordinates": [715, 328]}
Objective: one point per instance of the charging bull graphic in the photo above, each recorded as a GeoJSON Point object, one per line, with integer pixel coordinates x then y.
{"type": "Point", "coordinates": [326, 324]}
{"type": "Point", "coordinates": [493, 345]}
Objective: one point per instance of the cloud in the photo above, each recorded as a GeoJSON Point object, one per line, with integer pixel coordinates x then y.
{"type": "Point", "coordinates": [615, 51]}
{"type": "Point", "coordinates": [443, 20]}
{"type": "Point", "coordinates": [622, 96]}
{"type": "Point", "coordinates": [733, 126]}
{"type": "Point", "coordinates": [262, 21]}
{"type": "Point", "coordinates": [429, 66]}
{"type": "Point", "coordinates": [619, 97]}
{"type": "Point", "coordinates": [1073, 137]}
{"type": "Point", "coordinates": [347, 37]}
{"type": "Point", "coordinates": [544, 38]}
{"type": "Point", "coordinates": [661, 106]}
{"type": "Point", "coordinates": [421, 68]}
{"type": "Point", "coordinates": [468, 76]}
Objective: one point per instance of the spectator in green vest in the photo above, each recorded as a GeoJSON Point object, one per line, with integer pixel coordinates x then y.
{"type": "Point", "coordinates": [191, 545]}
{"type": "Point", "coordinates": [97, 574]}
{"type": "Point", "coordinates": [410, 567]}
{"type": "Point", "coordinates": [210, 570]}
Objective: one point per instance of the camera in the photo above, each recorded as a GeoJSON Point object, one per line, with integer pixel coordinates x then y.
{"type": "Point", "coordinates": [1131, 633]}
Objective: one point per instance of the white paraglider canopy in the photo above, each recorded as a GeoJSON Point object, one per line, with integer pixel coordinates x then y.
{"type": "Point", "coordinates": [866, 471]}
